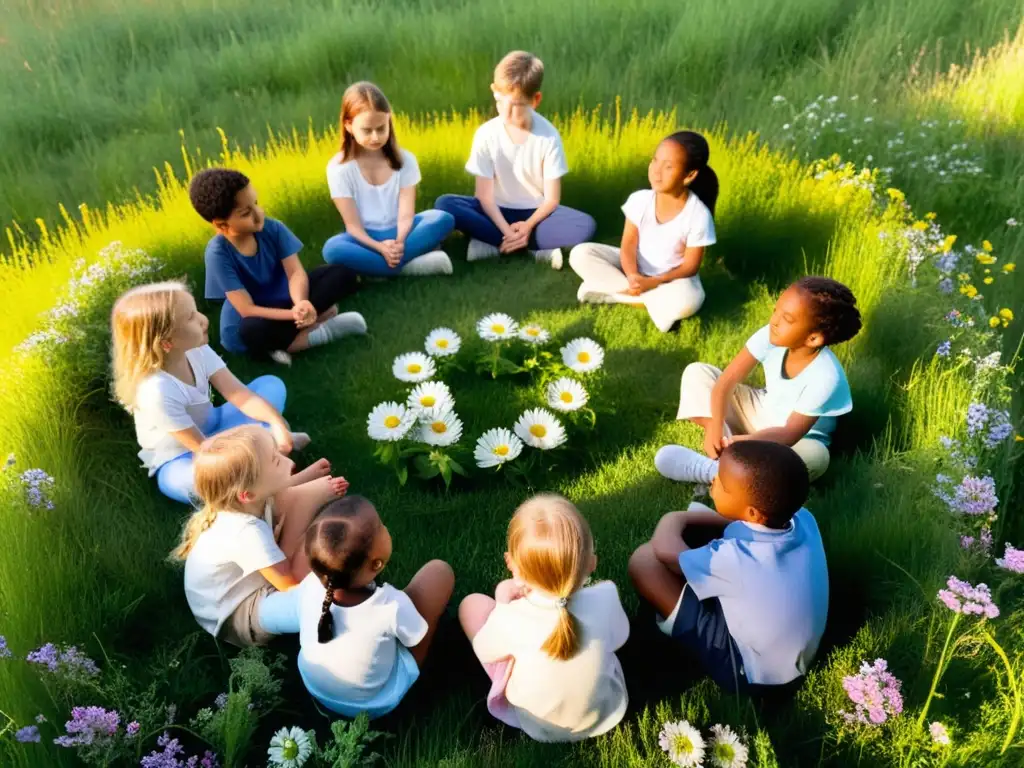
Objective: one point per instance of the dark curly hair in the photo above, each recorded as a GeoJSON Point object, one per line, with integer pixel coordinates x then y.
{"type": "Point", "coordinates": [834, 308]}
{"type": "Point", "coordinates": [213, 192]}
{"type": "Point", "coordinates": [778, 478]}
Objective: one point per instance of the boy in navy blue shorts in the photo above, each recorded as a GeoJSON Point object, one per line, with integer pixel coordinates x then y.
{"type": "Point", "coordinates": [752, 604]}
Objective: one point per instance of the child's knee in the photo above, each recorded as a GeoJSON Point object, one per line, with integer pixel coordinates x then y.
{"type": "Point", "coordinates": [442, 574]}
{"type": "Point", "coordinates": [447, 203]}
{"type": "Point", "coordinates": [641, 562]}
{"type": "Point", "coordinates": [587, 225]}
{"type": "Point", "coordinates": [579, 256]}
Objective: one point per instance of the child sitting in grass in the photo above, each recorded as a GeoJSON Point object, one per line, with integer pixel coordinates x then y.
{"type": "Point", "coordinates": [362, 642]}
{"type": "Point", "coordinates": [805, 384]}
{"type": "Point", "coordinates": [518, 161]}
{"type": "Point", "coordinates": [163, 369]}
{"type": "Point", "coordinates": [273, 307]}
{"type": "Point", "coordinates": [246, 541]}
{"type": "Point", "coordinates": [373, 185]}
{"type": "Point", "coordinates": [667, 229]}
{"type": "Point", "coordinates": [546, 640]}
{"type": "Point", "coordinates": [752, 604]}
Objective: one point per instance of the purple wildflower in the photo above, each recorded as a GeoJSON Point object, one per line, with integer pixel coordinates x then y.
{"type": "Point", "coordinates": [999, 428]}
{"type": "Point", "coordinates": [963, 598]}
{"type": "Point", "coordinates": [47, 655]}
{"type": "Point", "coordinates": [1012, 559]}
{"type": "Point", "coordinates": [28, 735]}
{"type": "Point", "coordinates": [946, 286]}
{"type": "Point", "coordinates": [38, 486]}
{"type": "Point", "coordinates": [954, 318]}
{"type": "Point", "coordinates": [132, 729]}
{"type": "Point", "coordinates": [876, 693]}
{"type": "Point", "coordinates": [41, 718]}
{"type": "Point", "coordinates": [977, 418]}
{"type": "Point", "coordinates": [944, 348]}
{"type": "Point", "coordinates": [89, 725]}
{"type": "Point", "coordinates": [5, 652]}
{"type": "Point", "coordinates": [169, 756]}
{"type": "Point", "coordinates": [966, 542]}
{"type": "Point", "coordinates": [939, 733]}
{"type": "Point", "coordinates": [946, 263]}
{"type": "Point", "coordinates": [974, 496]}
{"type": "Point", "coordinates": [69, 662]}
{"type": "Point", "coordinates": [221, 701]}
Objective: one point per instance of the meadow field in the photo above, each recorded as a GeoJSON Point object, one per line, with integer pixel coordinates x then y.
{"type": "Point", "coordinates": [853, 139]}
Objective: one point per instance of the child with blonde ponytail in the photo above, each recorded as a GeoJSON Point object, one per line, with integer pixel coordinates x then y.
{"type": "Point", "coordinates": [546, 640]}
{"type": "Point", "coordinates": [246, 541]}
{"type": "Point", "coordinates": [163, 368]}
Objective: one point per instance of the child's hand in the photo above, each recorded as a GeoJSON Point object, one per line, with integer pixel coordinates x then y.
{"type": "Point", "coordinates": [283, 438]}
{"type": "Point", "coordinates": [517, 238]}
{"type": "Point", "coordinates": [338, 486]}
{"type": "Point", "coordinates": [713, 441]}
{"type": "Point", "coordinates": [392, 251]}
{"type": "Point", "coordinates": [304, 314]}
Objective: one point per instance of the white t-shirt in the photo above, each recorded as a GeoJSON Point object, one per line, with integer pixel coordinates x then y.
{"type": "Point", "coordinates": [165, 404]}
{"type": "Point", "coordinates": [657, 250]}
{"type": "Point", "coordinates": [820, 389]}
{"type": "Point", "coordinates": [223, 568]}
{"type": "Point", "coordinates": [561, 700]}
{"type": "Point", "coordinates": [377, 203]}
{"type": "Point", "coordinates": [519, 170]}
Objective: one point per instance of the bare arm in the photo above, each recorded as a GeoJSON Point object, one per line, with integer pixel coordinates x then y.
{"type": "Point", "coordinates": [667, 541]}
{"type": "Point", "coordinates": [484, 192]}
{"type": "Point", "coordinates": [246, 307]}
{"type": "Point", "coordinates": [796, 428]}
{"type": "Point", "coordinates": [248, 402]}
{"type": "Point", "coordinates": [692, 258]}
{"type": "Point", "coordinates": [191, 438]}
{"type": "Point", "coordinates": [552, 197]}
{"type": "Point", "coordinates": [280, 576]}
{"type": "Point", "coordinates": [628, 248]}
{"type": "Point", "coordinates": [735, 372]}
{"type": "Point", "coordinates": [406, 211]}
{"type": "Point", "coordinates": [698, 514]}
{"type": "Point", "coordinates": [298, 280]}
{"type": "Point", "coordinates": [353, 223]}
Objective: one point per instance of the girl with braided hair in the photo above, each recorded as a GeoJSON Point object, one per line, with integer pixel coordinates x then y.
{"type": "Point", "coordinates": [362, 642]}
{"type": "Point", "coordinates": [246, 541]}
{"type": "Point", "coordinates": [805, 384]}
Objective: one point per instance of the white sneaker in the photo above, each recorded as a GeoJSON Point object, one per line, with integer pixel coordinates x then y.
{"type": "Point", "coordinates": [552, 256]}
{"type": "Point", "coordinates": [281, 357]}
{"type": "Point", "coordinates": [433, 263]}
{"type": "Point", "coordinates": [479, 250]}
{"type": "Point", "coordinates": [677, 462]}
{"type": "Point", "coordinates": [587, 295]}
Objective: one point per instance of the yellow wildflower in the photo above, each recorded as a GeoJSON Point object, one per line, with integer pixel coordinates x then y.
{"type": "Point", "coordinates": [963, 277]}
{"type": "Point", "coordinates": [986, 246]}
{"type": "Point", "coordinates": [1009, 267]}
{"type": "Point", "coordinates": [1018, 439]}
{"type": "Point", "coordinates": [984, 258]}
{"type": "Point", "coordinates": [947, 244]}
{"type": "Point", "coordinates": [930, 215]}
{"type": "Point", "coordinates": [1006, 313]}
{"type": "Point", "coordinates": [993, 322]}
{"type": "Point", "coordinates": [920, 226]}
{"type": "Point", "coordinates": [988, 280]}
{"type": "Point", "coordinates": [969, 291]}
{"type": "Point", "coordinates": [895, 195]}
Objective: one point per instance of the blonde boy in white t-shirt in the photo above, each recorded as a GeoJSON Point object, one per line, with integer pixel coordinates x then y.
{"type": "Point", "coordinates": [667, 229]}
{"type": "Point", "coordinates": [518, 161]}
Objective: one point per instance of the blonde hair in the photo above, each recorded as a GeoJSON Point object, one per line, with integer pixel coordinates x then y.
{"type": "Point", "coordinates": [551, 546]}
{"type": "Point", "coordinates": [141, 320]}
{"type": "Point", "coordinates": [366, 97]}
{"type": "Point", "coordinates": [520, 71]}
{"type": "Point", "coordinates": [224, 466]}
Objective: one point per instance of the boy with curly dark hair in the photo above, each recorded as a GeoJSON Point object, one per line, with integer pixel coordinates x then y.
{"type": "Point", "coordinates": [272, 305]}
{"type": "Point", "coordinates": [805, 384]}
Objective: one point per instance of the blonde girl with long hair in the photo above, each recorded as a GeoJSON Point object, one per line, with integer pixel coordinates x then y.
{"type": "Point", "coordinates": [373, 182]}
{"type": "Point", "coordinates": [163, 368]}
{"type": "Point", "coordinates": [246, 541]}
{"type": "Point", "coordinates": [546, 639]}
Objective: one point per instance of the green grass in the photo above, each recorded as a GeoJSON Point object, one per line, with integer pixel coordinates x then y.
{"type": "Point", "coordinates": [91, 572]}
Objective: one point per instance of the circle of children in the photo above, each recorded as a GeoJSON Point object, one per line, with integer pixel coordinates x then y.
{"type": "Point", "coordinates": [743, 586]}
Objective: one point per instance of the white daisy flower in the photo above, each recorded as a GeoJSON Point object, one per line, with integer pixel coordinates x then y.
{"type": "Point", "coordinates": [566, 395]}
{"type": "Point", "coordinates": [727, 751]}
{"type": "Point", "coordinates": [583, 355]}
{"type": "Point", "coordinates": [683, 743]}
{"type": "Point", "coordinates": [431, 394]}
{"type": "Point", "coordinates": [440, 428]}
{"type": "Point", "coordinates": [290, 748]}
{"type": "Point", "coordinates": [540, 428]}
{"type": "Point", "coordinates": [390, 421]}
{"type": "Point", "coordinates": [496, 446]}
{"type": "Point", "coordinates": [533, 334]}
{"type": "Point", "coordinates": [413, 366]}
{"type": "Point", "coordinates": [497, 327]}
{"type": "Point", "coordinates": [442, 342]}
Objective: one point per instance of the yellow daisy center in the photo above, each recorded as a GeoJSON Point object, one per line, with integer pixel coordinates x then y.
{"type": "Point", "coordinates": [533, 331]}
{"type": "Point", "coordinates": [414, 368]}
{"type": "Point", "coordinates": [439, 427]}
{"type": "Point", "coordinates": [442, 343]}
{"type": "Point", "coordinates": [538, 430]}
{"type": "Point", "coordinates": [427, 400]}
{"type": "Point", "coordinates": [501, 450]}
{"type": "Point", "coordinates": [583, 357]}
{"type": "Point", "coordinates": [392, 421]}
{"type": "Point", "coordinates": [566, 397]}
{"type": "Point", "coordinates": [498, 328]}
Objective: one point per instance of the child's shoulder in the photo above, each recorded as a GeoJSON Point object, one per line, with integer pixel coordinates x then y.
{"type": "Point", "coordinates": [603, 592]}
{"type": "Point", "coordinates": [543, 127]}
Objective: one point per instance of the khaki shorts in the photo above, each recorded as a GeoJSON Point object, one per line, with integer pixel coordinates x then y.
{"type": "Point", "coordinates": [243, 626]}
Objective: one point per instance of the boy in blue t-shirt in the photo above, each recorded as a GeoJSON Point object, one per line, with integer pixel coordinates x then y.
{"type": "Point", "coordinates": [752, 604]}
{"type": "Point", "coordinates": [272, 305]}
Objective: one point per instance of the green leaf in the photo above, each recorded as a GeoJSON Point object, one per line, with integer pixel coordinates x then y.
{"type": "Point", "coordinates": [425, 467]}
{"type": "Point", "coordinates": [457, 468]}
{"type": "Point", "coordinates": [403, 474]}
{"type": "Point", "coordinates": [446, 473]}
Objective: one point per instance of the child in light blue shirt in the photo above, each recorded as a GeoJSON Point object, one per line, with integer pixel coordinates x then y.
{"type": "Point", "coordinates": [751, 604]}
{"type": "Point", "coordinates": [805, 384]}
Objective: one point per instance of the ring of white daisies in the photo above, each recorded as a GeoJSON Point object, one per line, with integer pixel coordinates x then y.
{"type": "Point", "coordinates": [428, 413]}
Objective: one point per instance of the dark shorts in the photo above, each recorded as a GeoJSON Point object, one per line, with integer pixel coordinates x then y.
{"type": "Point", "coordinates": [700, 626]}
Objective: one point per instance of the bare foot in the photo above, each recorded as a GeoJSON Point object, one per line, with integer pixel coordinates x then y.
{"type": "Point", "coordinates": [300, 440]}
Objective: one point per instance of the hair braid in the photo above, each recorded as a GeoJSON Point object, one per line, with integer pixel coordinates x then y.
{"type": "Point", "coordinates": [325, 628]}
{"type": "Point", "coordinates": [834, 307]}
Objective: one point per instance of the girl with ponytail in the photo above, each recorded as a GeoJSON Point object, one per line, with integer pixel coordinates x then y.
{"type": "Point", "coordinates": [362, 641]}
{"type": "Point", "coordinates": [546, 640]}
{"type": "Point", "coordinates": [667, 229]}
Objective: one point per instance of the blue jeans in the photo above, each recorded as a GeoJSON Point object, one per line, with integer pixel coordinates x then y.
{"type": "Point", "coordinates": [429, 228]}
{"type": "Point", "coordinates": [564, 228]}
{"type": "Point", "coordinates": [174, 478]}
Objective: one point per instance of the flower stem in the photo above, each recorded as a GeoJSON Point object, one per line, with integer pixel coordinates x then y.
{"type": "Point", "coordinates": [938, 671]}
{"type": "Point", "coordinates": [1015, 720]}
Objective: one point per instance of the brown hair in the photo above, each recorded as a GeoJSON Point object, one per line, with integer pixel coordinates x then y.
{"type": "Point", "coordinates": [224, 466]}
{"type": "Point", "coordinates": [141, 320]}
{"type": "Point", "coordinates": [366, 97]}
{"type": "Point", "coordinates": [520, 71]}
{"type": "Point", "coordinates": [550, 544]}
